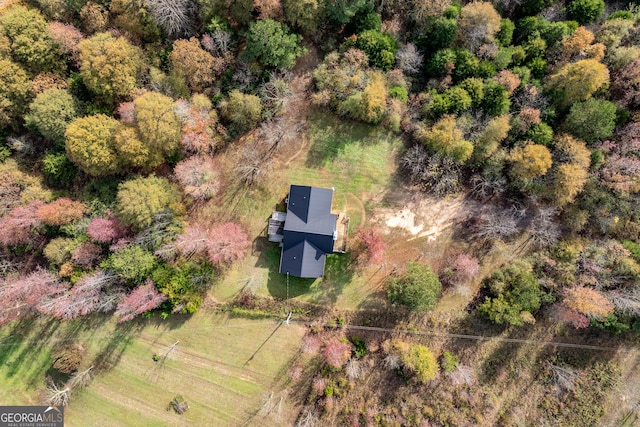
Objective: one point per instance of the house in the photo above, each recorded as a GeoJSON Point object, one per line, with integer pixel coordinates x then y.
{"type": "Point", "coordinates": [308, 231]}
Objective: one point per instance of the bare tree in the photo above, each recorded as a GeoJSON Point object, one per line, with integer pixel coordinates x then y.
{"type": "Point", "coordinates": [253, 166]}
{"type": "Point", "coordinates": [497, 225]}
{"type": "Point", "coordinates": [56, 396]}
{"type": "Point", "coordinates": [353, 369]}
{"type": "Point", "coordinates": [176, 17]}
{"type": "Point", "coordinates": [391, 361]}
{"type": "Point", "coordinates": [462, 375]}
{"type": "Point", "coordinates": [409, 59]}
{"type": "Point", "coordinates": [543, 229]}
{"type": "Point", "coordinates": [626, 300]}
{"type": "Point", "coordinates": [309, 418]}
{"type": "Point", "coordinates": [485, 187]}
{"type": "Point", "coordinates": [563, 377]}
{"type": "Point", "coordinates": [80, 379]}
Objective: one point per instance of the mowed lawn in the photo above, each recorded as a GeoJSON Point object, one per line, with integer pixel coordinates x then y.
{"type": "Point", "coordinates": [223, 367]}
{"type": "Point", "coordinates": [357, 160]}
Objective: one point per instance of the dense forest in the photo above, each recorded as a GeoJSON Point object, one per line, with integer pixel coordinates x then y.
{"type": "Point", "coordinates": [114, 116]}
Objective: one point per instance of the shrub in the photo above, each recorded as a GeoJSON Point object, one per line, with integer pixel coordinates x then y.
{"type": "Point", "coordinates": [399, 92]}
{"type": "Point", "coordinates": [67, 359]}
{"type": "Point", "coordinates": [336, 352]}
{"type": "Point", "coordinates": [58, 170]}
{"type": "Point", "coordinates": [449, 362]}
{"type": "Point", "coordinates": [417, 289]}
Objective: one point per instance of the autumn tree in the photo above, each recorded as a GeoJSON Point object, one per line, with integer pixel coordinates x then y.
{"type": "Point", "coordinates": [369, 104]}
{"type": "Point", "coordinates": [90, 144]}
{"type": "Point", "coordinates": [489, 138]}
{"type": "Point", "coordinates": [86, 255]}
{"type": "Point", "coordinates": [564, 314]}
{"type": "Point", "coordinates": [31, 42]}
{"type": "Point", "coordinates": [418, 288]}
{"type": "Point", "coordinates": [14, 92]}
{"type": "Point", "coordinates": [244, 111]}
{"type": "Point", "coordinates": [530, 161]}
{"type": "Point", "coordinates": [479, 23]}
{"type": "Point", "coordinates": [199, 177]}
{"type": "Point", "coordinates": [570, 176]}
{"type": "Point", "coordinates": [444, 137]}
{"type": "Point", "coordinates": [67, 358]}
{"type": "Point", "coordinates": [201, 131]}
{"type": "Point", "coordinates": [158, 126]}
{"type": "Point", "coordinates": [578, 81]}
{"type": "Point", "coordinates": [515, 295]}
{"type": "Point", "coordinates": [197, 66]}
{"type": "Point", "coordinates": [421, 362]}
{"type": "Point", "coordinates": [140, 300]}
{"type": "Point", "coordinates": [61, 211]}
{"type": "Point", "coordinates": [51, 112]}
{"type": "Point", "coordinates": [588, 301]}
{"type": "Point", "coordinates": [109, 66]}
{"type": "Point", "coordinates": [133, 17]}
{"type": "Point", "coordinates": [139, 200]}
{"type": "Point", "coordinates": [95, 18]}
{"type": "Point", "coordinates": [270, 43]}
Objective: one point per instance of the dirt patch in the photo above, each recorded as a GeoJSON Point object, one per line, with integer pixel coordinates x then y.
{"type": "Point", "coordinates": [425, 216]}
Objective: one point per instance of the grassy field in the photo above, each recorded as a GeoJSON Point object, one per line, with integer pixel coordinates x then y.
{"type": "Point", "coordinates": [223, 367]}
{"type": "Point", "coordinates": [358, 161]}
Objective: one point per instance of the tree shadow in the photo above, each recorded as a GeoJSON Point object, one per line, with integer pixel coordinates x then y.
{"type": "Point", "coordinates": [109, 355]}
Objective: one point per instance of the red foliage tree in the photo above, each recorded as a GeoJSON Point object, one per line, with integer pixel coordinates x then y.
{"type": "Point", "coordinates": [86, 255]}
{"type": "Point", "coordinates": [143, 298]}
{"type": "Point", "coordinates": [564, 314]}
{"type": "Point", "coordinates": [222, 243]}
{"type": "Point", "coordinates": [201, 132]}
{"type": "Point", "coordinates": [61, 211]}
{"type": "Point", "coordinates": [464, 268]}
{"type": "Point", "coordinates": [105, 230]}
{"type": "Point", "coordinates": [625, 85]}
{"type": "Point", "coordinates": [127, 112]}
{"type": "Point", "coordinates": [16, 227]}
{"type": "Point", "coordinates": [336, 352]}
{"type": "Point", "coordinates": [67, 37]}
{"type": "Point", "coordinates": [368, 246]}
{"type": "Point", "coordinates": [94, 292]}
{"type": "Point", "coordinates": [20, 295]}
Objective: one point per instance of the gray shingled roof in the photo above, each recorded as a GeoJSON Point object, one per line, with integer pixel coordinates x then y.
{"type": "Point", "coordinates": [308, 231]}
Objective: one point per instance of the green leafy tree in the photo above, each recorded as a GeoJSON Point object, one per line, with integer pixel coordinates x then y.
{"type": "Point", "coordinates": [303, 14]}
{"type": "Point", "coordinates": [183, 284]}
{"type": "Point", "coordinates": [109, 66]}
{"type": "Point", "coordinates": [585, 11]}
{"type": "Point", "coordinates": [270, 43]}
{"type": "Point", "coordinates": [540, 133]}
{"type": "Point", "coordinates": [90, 144]}
{"type": "Point", "coordinates": [139, 200]}
{"type": "Point", "coordinates": [380, 48]}
{"type": "Point", "coordinates": [440, 33]}
{"type": "Point", "coordinates": [51, 112]}
{"type": "Point", "coordinates": [31, 42]}
{"type": "Point", "coordinates": [417, 289]}
{"type": "Point", "coordinates": [592, 120]}
{"type": "Point", "coordinates": [15, 92]}
{"type": "Point", "coordinates": [578, 81]}
{"type": "Point", "coordinates": [244, 111]}
{"type": "Point", "coordinates": [131, 263]}
{"type": "Point", "coordinates": [445, 138]}
{"type": "Point", "coordinates": [158, 126]}
{"type": "Point", "coordinates": [495, 100]}
{"type": "Point", "coordinates": [343, 11]}
{"type": "Point", "coordinates": [515, 294]}
{"type": "Point", "coordinates": [58, 170]}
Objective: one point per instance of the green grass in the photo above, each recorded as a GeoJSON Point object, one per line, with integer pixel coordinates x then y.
{"type": "Point", "coordinates": [357, 160]}
{"type": "Point", "coordinates": [221, 366]}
